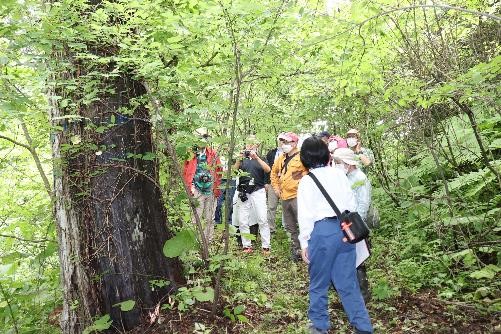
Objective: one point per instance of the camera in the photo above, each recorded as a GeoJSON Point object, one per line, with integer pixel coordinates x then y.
{"type": "Point", "coordinates": [243, 196]}
{"type": "Point", "coordinates": [205, 178]}
{"type": "Point", "coordinates": [247, 153]}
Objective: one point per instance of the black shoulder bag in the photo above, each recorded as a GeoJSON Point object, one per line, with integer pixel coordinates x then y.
{"type": "Point", "coordinates": [352, 225]}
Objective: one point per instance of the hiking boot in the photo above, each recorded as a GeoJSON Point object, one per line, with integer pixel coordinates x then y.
{"type": "Point", "coordinates": [266, 251]}
{"type": "Point", "coordinates": [247, 250]}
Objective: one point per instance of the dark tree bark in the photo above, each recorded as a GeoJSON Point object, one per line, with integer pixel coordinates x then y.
{"type": "Point", "coordinates": [110, 217]}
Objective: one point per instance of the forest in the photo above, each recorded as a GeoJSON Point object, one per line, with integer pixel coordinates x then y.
{"type": "Point", "coordinates": [100, 101]}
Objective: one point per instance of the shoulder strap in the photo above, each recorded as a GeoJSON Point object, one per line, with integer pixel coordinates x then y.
{"type": "Point", "coordinates": [326, 195]}
{"type": "Point", "coordinates": [286, 162]}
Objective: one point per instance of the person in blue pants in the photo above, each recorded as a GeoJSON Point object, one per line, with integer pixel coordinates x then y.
{"type": "Point", "coordinates": [221, 200]}
{"type": "Point", "coordinates": [330, 259]}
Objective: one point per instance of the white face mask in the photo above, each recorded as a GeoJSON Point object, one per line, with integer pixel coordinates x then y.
{"type": "Point", "coordinates": [342, 167]}
{"type": "Point", "coordinates": [332, 146]}
{"type": "Point", "coordinates": [352, 142]}
{"type": "Point", "coordinates": [286, 148]}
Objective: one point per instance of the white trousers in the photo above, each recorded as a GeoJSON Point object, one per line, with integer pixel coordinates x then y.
{"type": "Point", "coordinates": [252, 211]}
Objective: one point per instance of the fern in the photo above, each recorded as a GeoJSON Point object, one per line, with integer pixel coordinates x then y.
{"type": "Point", "coordinates": [471, 184]}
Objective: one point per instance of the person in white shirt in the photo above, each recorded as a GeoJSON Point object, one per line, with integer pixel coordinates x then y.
{"type": "Point", "coordinates": [329, 258]}
{"type": "Point", "coordinates": [365, 154]}
{"type": "Point", "coordinates": [348, 162]}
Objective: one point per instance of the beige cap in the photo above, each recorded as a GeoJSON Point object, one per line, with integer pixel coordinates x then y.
{"type": "Point", "coordinates": [252, 139]}
{"type": "Point", "coordinates": [353, 131]}
{"type": "Point", "coordinates": [346, 155]}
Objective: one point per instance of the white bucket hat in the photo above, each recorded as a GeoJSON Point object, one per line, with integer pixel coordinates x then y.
{"type": "Point", "coordinates": [347, 156]}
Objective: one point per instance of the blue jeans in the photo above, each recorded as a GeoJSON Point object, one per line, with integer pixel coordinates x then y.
{"type": "Point", "coordinates": [333, 261]}
{"type": "Point", "coordinates": [221, 199]}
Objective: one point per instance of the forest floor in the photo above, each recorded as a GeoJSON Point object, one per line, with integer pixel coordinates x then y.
{"type": "Point", "coordinates": [274, 292]}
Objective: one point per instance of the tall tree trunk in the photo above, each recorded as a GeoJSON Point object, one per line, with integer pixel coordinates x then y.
{"type": "Point", "coordinates": [111, 221]}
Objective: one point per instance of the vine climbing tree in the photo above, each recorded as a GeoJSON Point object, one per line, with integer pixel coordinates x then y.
{"type": "Point", "coordinates": [111, 221]}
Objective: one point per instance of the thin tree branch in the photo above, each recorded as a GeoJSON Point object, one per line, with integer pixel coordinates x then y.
{"type": "Point", "coordinates": [7, 299]}
{"type": "Point", "coordinates": [35, 156]}
{"type": "Point", "coordinates": [15, 142]}
{"type": "Point", "coordinates": [30, 146]}
{"type": "Point", "coordinates": [235, 99]}
{"type": "Point", "coordinates": [26, 240]}
{"type": "Point", "coordinates": [447, 7]}
{"type": "Point", "coordinates": [173, 155]}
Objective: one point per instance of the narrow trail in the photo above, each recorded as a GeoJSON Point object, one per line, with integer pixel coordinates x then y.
{"type": "Point", "coordinates": [274, 291]}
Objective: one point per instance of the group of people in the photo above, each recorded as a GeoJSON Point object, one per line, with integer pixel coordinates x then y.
{"type": "Point", "coordinates": [285, 175]}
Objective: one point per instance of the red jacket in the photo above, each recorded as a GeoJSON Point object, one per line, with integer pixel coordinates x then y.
{"type": "Point", "coordinates": [190, 167]}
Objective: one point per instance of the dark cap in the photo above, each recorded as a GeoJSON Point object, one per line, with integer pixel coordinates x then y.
{"type": "Point", "coordinates": [324, 134]}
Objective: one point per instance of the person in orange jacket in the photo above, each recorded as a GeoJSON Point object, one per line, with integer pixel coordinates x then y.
{"type": "Point", "coordinates": [202, 175]}
{"type": "Point", "coordinates": [285, 175]}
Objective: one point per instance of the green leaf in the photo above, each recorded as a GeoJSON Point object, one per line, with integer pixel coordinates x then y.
{"type": "Point", "coordinates": [76, 139]}
{"type": "Point", "coordinates": [8, 269]}
{"type": "Point", "coordinates": [227, 313]}
{"type": "Point", "coordinates": [239, 309]}
{"type": "Point", "coordinates": [182, 242]}
{"type": "Point", "coordinates": [204, 296]}
{"type": "Point", "coordinates": [101, 129]}
{"type": "Point", "coordinates": [150, 156]}
{"type": "Point", "coordinates": [488, 272]}
{"type": "Point", "coordinates": [495, 144]}
{"type": "Point", "coordinates": [174, 39]}
{"type": "Point", "coordinates": [126, 306]}
{"type": "Point", "coordinates": [248, 236]}
{"type": "Point", "coordinates": [64, 103]}
{"type": "Point", "coordinates": [50, 250]}
{"type": "Point", "coordinates": [382, 291]}
{"type": "Point", "coordinates": [242, 318]}
{"type": "Point", "coordinates": [103, 323]}
{"type": "Point", "coordinates": [100, 324]}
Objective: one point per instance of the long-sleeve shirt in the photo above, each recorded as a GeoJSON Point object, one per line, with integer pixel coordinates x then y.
{"type": "Point", "coordinates": [370, 155]}
{"type": "Point", "coordinates": [361, 187]}
{"type": "Point", "coordinates": [312, 205]}
{"type": "Point", "coordinates": [286, 178]}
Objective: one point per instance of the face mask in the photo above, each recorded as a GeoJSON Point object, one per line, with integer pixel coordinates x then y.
{"type": "Point", "coordinates": [332, 146]}
{"type": "Point", "coordinates": [342, 167]}
{"type": "Point", "coordinates": [286, 148]}
{"type": "Point", "coordinates": [352, 142]}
